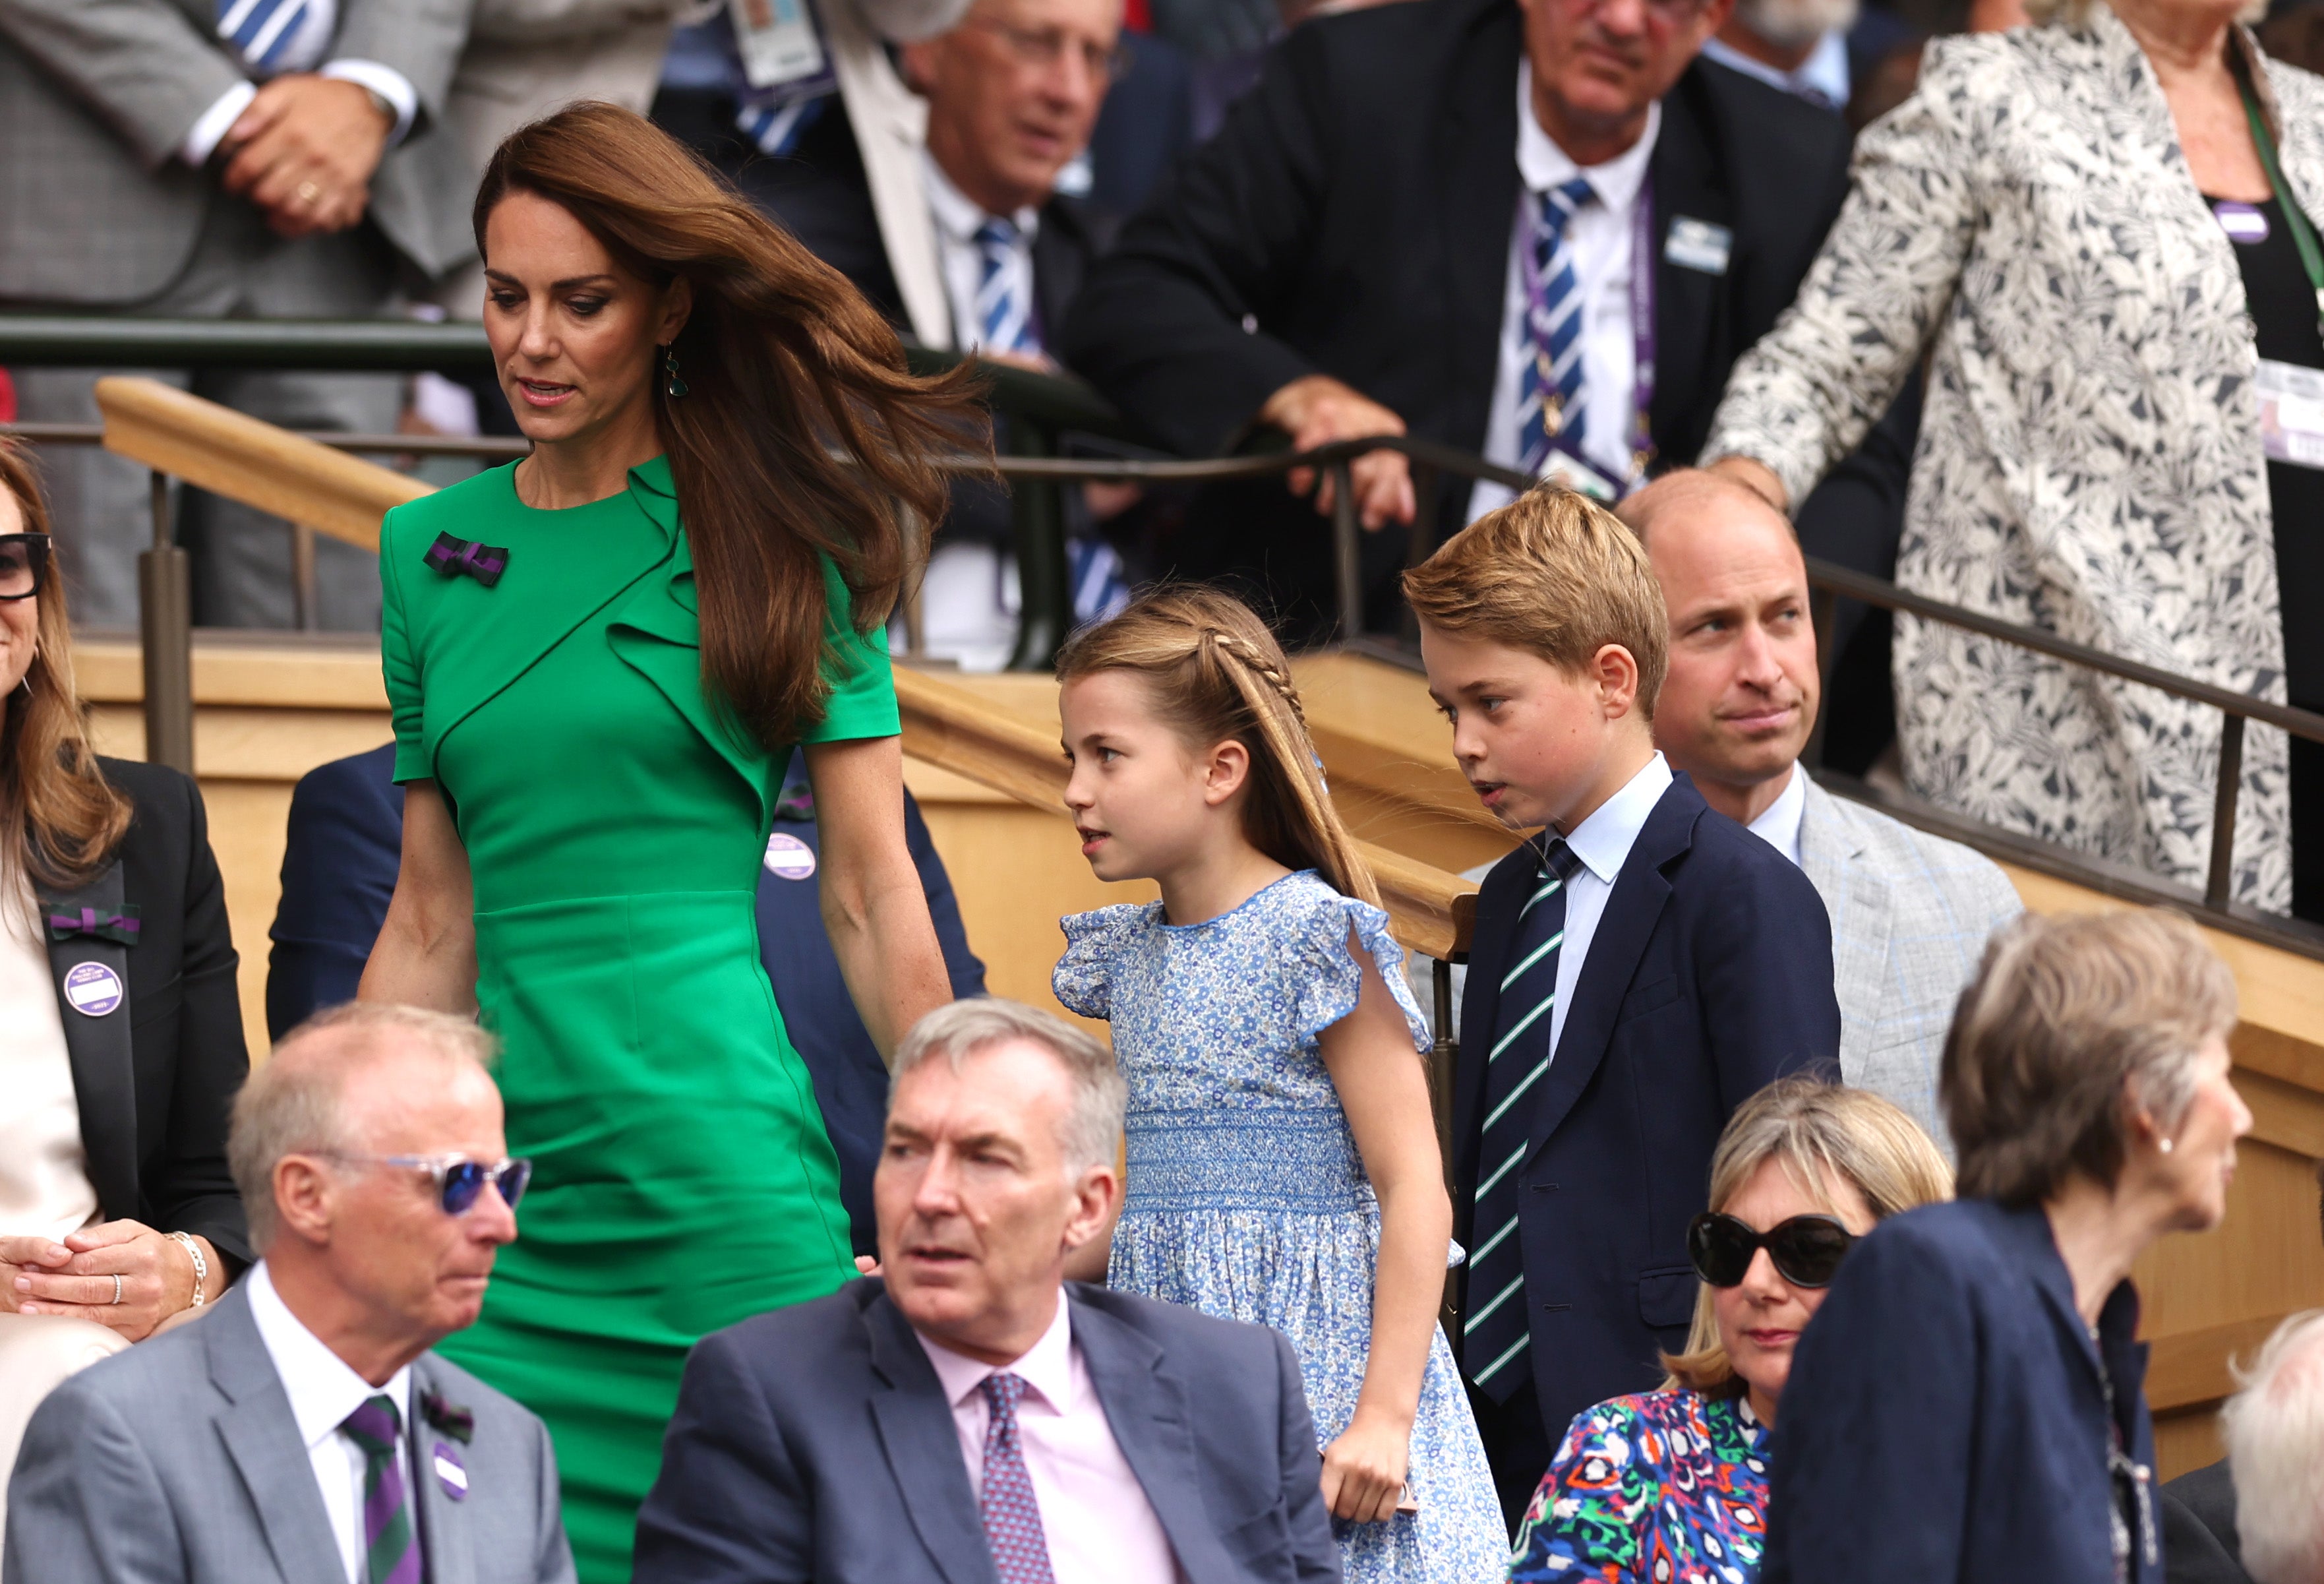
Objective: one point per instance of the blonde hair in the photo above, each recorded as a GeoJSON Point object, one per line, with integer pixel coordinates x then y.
{"type": "Point", "coordinates": [1823, 1134]}
{"type": "Point", "coordinates": [1217, 675]}
{"type": "Point", "coordinates": [2069, 1020]}
{"type": "Point", "coordinates": [1554, 573]}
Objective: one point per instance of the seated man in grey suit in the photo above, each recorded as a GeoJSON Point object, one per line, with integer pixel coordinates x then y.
{"type": "Point", "coordinates": [300, 1432]}
{"type": "Point", "coordinates": [1909, 912]}
{"type": "Point", "coordinates": [974, 1416]}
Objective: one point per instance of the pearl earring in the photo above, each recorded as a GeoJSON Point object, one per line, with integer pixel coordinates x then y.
{"type": "Point", "coordinates": [2164, 1144]}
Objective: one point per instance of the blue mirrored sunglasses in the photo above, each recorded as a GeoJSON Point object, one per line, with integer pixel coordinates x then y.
{"type": "Point", "coordinates": [459, 1179]}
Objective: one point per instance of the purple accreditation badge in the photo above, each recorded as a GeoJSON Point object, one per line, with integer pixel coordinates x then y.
{"type": "Point", "coordinates": [450, 1472]}
{"type": "Point", "coordinates": [2241, 222]}
{"type": "Point", "coordinates": [92, 989]}
{"type": "Point", "coordinates": [789, 858]}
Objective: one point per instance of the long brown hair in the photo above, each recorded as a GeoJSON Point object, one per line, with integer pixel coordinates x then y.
{"type": "Point", "coordinates": [1218, 674]}
{"type": "Point", "coordinates": [785, 365]}
{"type": "Point", "coordinates": [59, 821]}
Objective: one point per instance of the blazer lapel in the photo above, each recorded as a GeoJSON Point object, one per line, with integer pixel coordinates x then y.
{"type": "Point", "coordinates": [1060, 250]}
{"type": "Point", "coordinates": [1496, 921]}
{"type": "Point", "coordinates": [1145, 1404]}
{"type": "Point", "coordinates": [1862, 908]}
{"type": "Point", "coordinates": [1478, 158]}
{"type": "Point", "coordinates": [98, 1041]}
{"type": "Point", "coordinates": [446, 1537]}
{"type": "Point", "coordinates": [1690, 305]}
{"type": "Point", "coordinates": [923, 1451]}
{"type": "Point", "coordinates": [261, 1438]}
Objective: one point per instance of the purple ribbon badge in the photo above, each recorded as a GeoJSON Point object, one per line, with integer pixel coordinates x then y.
{"type": "Point", "coordinates": [454, 557]}
{"type": "Point", "coordinates": [120, 928]}
{"type": "Point", "coordinates": [450, 1472]}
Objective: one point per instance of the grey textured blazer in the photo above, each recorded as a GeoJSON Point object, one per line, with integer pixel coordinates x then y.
{"type": "Point", "coordinates": [1910, 916]}
{"type": "Point", "coordinates": [178, 1462]}
{"type": "Point", "coordinates": [96, 97]}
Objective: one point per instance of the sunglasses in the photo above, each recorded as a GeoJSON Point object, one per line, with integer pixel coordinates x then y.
{"type": "Point", "coordinates": [24, 564]}
{"type": "Point", "coordinates": [459, 1179]}
{"type": "Point", "coordinates": [1806, 1249]}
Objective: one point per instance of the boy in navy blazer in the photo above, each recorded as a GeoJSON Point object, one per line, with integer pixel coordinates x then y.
{"type": "Point", "coordinates": [1641, 966]}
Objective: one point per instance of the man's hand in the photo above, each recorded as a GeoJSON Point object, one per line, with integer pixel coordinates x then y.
{"type": "Point", "coordinates": [1317, 410]}
{"type": "Point", "coordinates": [304, 151]}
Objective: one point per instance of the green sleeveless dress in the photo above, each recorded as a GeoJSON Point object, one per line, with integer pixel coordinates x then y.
{"type": "Point", "coordinates": [615, 820]}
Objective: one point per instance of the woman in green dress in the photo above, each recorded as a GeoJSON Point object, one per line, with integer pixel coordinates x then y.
{"type": "Point", "coordinates": [599, 659]}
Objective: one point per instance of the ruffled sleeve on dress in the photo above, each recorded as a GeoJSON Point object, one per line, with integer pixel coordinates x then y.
{"type": "Point", "coordinates": [1083, 980]}
{"type": "Point", "coordinates": [1324, 980]}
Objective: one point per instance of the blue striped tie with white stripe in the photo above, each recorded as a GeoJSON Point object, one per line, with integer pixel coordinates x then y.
{"type": "Point", "coordinates": [1549, 391]}
{"type": "Point", "coordinates": [1495, 1332]}
{"type": "Point", "coordinates": [1004, 319]}
{"type": "Point", "coordinates": [259, 30]}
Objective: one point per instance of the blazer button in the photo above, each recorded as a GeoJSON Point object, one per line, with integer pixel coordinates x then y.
{"type": "Point", "coordinates": [1556, 1308]}
{"type": "Point", "coordinates": [1544, 1187]}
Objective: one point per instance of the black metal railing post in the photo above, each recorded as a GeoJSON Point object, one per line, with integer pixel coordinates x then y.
{"type": "Point", "coordinates": [165, 622]}
{"type": "Point", "coordinates": [1044, 582]}
{"type": "Point", "coordinates": [1347, 551]}
{"type": "Point", "coordinates": [2220, 882]}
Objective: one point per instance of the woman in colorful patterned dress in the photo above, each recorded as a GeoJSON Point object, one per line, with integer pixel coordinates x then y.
{"type": "Point", "coordinates": [1671, 1487]}
{"type": "Point", "coordinates": [1282, 1165]}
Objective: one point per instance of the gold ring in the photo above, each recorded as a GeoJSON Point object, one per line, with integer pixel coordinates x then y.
{"type": "Point", "coordinates": [309, 192]}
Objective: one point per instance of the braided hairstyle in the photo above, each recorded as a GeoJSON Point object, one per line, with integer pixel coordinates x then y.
{"type": "Point", "coordinates": [1217, 675]}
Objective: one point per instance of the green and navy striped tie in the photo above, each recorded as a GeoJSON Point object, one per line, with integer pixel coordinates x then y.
{"type": "Point", "coordinates": [1495, 1333]}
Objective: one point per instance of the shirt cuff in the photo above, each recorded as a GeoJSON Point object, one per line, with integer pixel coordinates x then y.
{"type": "Point", "coordinates": [203, 140]}
{"type": "Point", "coordinates": [388, 83]}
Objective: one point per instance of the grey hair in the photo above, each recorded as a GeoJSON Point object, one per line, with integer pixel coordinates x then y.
{"type": "Point", "coordinates": [2274, 1432]}
{"type": "Point", "coordinates": [1093, 1126]}
{"type": "Point", "coordinates": [291, 1105]}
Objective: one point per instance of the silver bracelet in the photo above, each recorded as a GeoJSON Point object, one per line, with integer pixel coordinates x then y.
{"type": "Point", "coordinates": [201, 1268]}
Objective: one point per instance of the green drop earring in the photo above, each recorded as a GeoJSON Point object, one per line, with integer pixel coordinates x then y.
{"type": "Point", "coordinates": [672, 386]}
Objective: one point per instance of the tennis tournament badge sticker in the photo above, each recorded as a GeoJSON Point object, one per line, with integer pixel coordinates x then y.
{"type": "Point", "coordinates": [92, 989]}
{"type": "Point", "coordinates": [789, 858]}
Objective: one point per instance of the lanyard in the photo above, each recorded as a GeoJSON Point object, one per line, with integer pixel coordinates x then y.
{"type": "Point", "coordinates": [1642, 331]}
{"type": "Point", "coordinates": [2295, 219]}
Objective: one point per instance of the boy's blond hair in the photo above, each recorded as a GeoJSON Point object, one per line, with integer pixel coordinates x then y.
{"type": "Point", "coordinates": [1554, 573]}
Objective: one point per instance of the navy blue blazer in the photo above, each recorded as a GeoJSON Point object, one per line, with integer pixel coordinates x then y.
{"type": "Point", "coordinates": [1946, 1418]}
{"type": "Point", "coordinates": [814, 1442]}
{"type": "Point", "coordinates": [346, 847]}
{"type": "Point", "coordinates": [1710, 976]}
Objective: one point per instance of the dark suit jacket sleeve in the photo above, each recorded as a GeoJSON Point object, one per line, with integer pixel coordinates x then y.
{"type": "Point", "coordinates": [1763, 968]}
{"type": "Point", "coordinates": [1314, 1550]}
{"type": "Point", "coordinates": [85, 1505]}
{"type": "Point", "coordinates": [195, 1192]}
{"type": "Point", "coordinates": [2200, 1544]}
{"type": "Point", "coordinates": [342, 851]}
{"type": "Point", "coordinates": [1871, 1457]}
{"type": "Point", "coordinates": [1158, 325]}
{"type": "Point", "coordinates": [731, 1505]}
{"type": "Point", "coordinates": [962, 966]}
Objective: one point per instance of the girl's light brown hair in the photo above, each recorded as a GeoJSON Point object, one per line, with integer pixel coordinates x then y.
{"type": "Point", "coordinates": [1217, 675]}
{"type": "Point", "coordinates": [59, 820]}
{"type": "Point", "coordinates": [785, 364]}
{"type": "Point", "coordinates": [1822, 1133]}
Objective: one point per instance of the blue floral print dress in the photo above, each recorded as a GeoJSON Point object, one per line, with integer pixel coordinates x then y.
{"type": "Point", "coordinates": [1247, 1198]}
{"type": "Point", "coordinates": [1664, 1488]}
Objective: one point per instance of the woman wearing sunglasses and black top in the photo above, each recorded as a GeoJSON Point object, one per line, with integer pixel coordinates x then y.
{"type": "Point", "coordinates": [121, 1040]}
{"type": "Point", "coordinates": [1672, 1485]}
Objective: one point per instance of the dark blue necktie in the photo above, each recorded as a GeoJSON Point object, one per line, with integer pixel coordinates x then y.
{"type": "Point", "coordinates": [1495, 1333]}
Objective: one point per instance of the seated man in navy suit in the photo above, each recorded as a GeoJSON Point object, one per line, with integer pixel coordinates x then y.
{"type": "Point", "coordinates": [969, 1414]}
{"type": "Point", "coordinates": [339, 868]}
{"type": "Point", "coordinates": [1642, 964]}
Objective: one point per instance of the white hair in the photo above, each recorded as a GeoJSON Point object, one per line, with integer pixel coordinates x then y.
{"type": "Point", "coordinates": [1092, 1125]}
{"type": "Point", "coordinates": [2275, 1431]}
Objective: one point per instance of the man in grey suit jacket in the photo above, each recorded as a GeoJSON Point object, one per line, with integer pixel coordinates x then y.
{"type": "Point", "coordinates": [1909, 912]}
{"type": "Point", "coordinates": [209, 159]}
{"type": "Point", "coordinates": [301, 1433]}
{"type": "Point", "coordinates": [972, 1418]}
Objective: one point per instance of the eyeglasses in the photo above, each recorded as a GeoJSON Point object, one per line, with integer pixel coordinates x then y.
{"type": "Point", "coordinates": [459, 1179]}
{"type": "Point", "coordinates": [24, 564]}
{"type": "Point", "coordinates": [1806, 1249]}
{"type": "Point", "coordinates": [1046, 46]}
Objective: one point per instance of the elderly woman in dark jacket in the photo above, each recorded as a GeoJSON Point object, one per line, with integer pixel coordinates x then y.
{"type": "Point", "coordinates": [1968, 1405]}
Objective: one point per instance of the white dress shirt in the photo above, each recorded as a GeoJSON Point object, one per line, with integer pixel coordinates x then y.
{"type": "Point", "coordinates": [1602, 842]}
{"type": "Point", "coordinates": [1778, 824]}
{"type": "Point", "coordinates": [1095, 1514]}
{"type": "Point", "coordinates": [961, 259]}
{"type": "Point", "coordinates": [1600, 235]}
{"type": "Point", "coordinates": [310, 38]}
{"type": "Point", "coordinates": [45, 1187]}
{"type": "Point", "coordinates": [1822, 76]}
{"type": "Point", "coordinates": [323, 1390]}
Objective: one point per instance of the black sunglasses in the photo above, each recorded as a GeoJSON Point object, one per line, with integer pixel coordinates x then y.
{"type": "Point", "coordinates": [24, 564]}
{"type": "Point", "coordinates": [1807, 1249]}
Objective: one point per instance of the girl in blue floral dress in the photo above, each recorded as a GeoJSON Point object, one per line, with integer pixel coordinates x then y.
{"type": "Point", "coordinates": [1283, 1165]}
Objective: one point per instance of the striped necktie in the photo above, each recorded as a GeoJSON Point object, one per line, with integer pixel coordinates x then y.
{"type": "Point", "coordinates": [1549, 393]}
{"type": "Point", "coordinates": [1012, 1518]}
{"type": "Point", "coordinates": [1495, 1333]}
{"type": "Point", "coordinates": [1004, 319]}
{"type": "Point", "coordinates": [259, 30]}
{"type": "Point", "coordinates": [390, 1555]}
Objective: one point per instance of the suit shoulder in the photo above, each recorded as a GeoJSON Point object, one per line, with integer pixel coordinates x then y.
{"type": "Point", "coordinates": [146, 784]}
{"type": "Point", "coordinates": [1176, 1325]}
{"type": "Point", "coordinates": [1757, 115]}
{"type": "Point", "coordinates": [462, 1389]}
{"type": "Point", "coordinates": [1725, 853]}
{"type": "Point", "coordinates": [797, 1330]}
{"type": "Point", "coordinates": [1911, 856]}
{"type": "Point", "coordinates": [145, 1380]}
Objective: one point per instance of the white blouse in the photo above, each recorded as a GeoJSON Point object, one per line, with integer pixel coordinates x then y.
{"type": "Point", "coordinates": [45, 1187]}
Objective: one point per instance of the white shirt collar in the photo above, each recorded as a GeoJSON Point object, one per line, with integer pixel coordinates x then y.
{"type": "Point", "coordinates": [1543, 165]}
{"type": "Point", "coordinates": [323, 1390]}
{"type": "Point", "coordinates": [1825, 69]}
{"type": "Point", "coordinates": [1603, 841]}
{"type": "Point", "coordinates": [1778, 823]}
{"type": "Point", "coordinates": [1046, 1366]}
{"type": "Point", "coordinates": [957, 214]}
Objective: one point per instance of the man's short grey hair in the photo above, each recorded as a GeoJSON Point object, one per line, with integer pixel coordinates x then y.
{"type": "Point", "coordinates": [291, 1105]}
{"type": "Point", "coordinates": [2275, 1431]}
{"type": "Point", "coordinates": [1092, 1127]}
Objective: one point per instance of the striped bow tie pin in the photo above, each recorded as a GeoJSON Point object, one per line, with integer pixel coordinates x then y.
{"type": "Point", "coordinates": [455, 557]}
{"type": "Point", "coordinates": [120, 928]}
